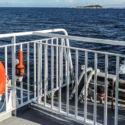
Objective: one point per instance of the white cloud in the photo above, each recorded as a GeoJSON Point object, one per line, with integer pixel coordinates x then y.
{"type": "Point", "coordinates": [57, 0]}
{"type": "Point", "coordinates": [69, 1]}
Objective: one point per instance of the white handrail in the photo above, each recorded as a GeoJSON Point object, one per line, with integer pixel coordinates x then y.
{"type": "Point", "coordinates": [84, 39]}
{"type": "Point", "coordinates": [31, 33]}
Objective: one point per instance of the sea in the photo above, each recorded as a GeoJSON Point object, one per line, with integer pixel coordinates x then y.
{"type": "Point", "coordinates": [92, 23]}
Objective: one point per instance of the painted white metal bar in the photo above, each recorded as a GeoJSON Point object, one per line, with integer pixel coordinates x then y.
{"type": "Point", "coordinates": [57, 79]}
{"type": "Point", "coordinates": [13, 53]}
{"type": "Point", "coordinates": [62, 41]}
{"type": "Point", "coordinates": [87, 50]}
{"type": "Point", "coordinates": [6, 73]}
{"type": "Point", "coordinates": [47, 69]}
{"type": "Point", "coordinates": [41, 85]}
{"type": "Point", "coordinates": [28, 73]}
{"type": "Point", "coordinates": [21, 92]}
{"type": "Point", "coordinates": [60, 78]}
{"type": "Point", "coordinates": [20, 47]}
{"type": "Point", "coordinates": [116, 91]}
{"type": "Point", "coordinates": [52, 73]}
{"type": "Point", "coordinates": [121, 90]}
{"type": "Point", "coordinates": [74, 48]}
{"type": "Point", "coordinates": [106, 89]}
{"type": "Point", "coordinates": [85, 95]}
{"type": "Point", "coordinates": [38, 72]}
{"type": "Point", "coordinates": [47, 33]}
{"type": "Point", "coordinates": [76, 84]}
{"type": "Point", "coordinates": [45, 72]}
{"type": "Point", "coordinates": [31, 33]}
{"type": "Point", "coordinates": [35, 70]}
{"type": "Point", "coordinates": [65, 57]}
{"type": "Point", "coordinates": [84, 39]}
{"type": "Point", "coordinates": [34, 41]}
{"type": "Point", "coordinates": [95, 90]}
{"type": "Point", "coordinates": [21, 83]}
{"type": "Point", "coordinates": [67, 80]}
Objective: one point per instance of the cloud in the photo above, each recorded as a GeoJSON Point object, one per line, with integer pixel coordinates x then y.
{"type": "Point", "coordinates": [57, 0]}
{"type": "Point", "coordinates": [69, 1]}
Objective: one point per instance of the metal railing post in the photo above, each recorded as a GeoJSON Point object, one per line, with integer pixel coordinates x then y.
{"type": "Point", "coordinates": [57, 81]}
{"type": "Point", "coordinates": [106, 89]}
{"type": "Point", "coordinates": [6, 73]}
{"type": "Point", "coordinates": [41, 85]}
{"type": "Point", "coordinates": [67, 79]}
{"type": "Point", "coordinates": [38, 73]}
{"type": "Point", "coordinates": [13, 52]}
{"type": "Point", "coordinates": [35, 70]}
{"type": "Point", "coordinates": [95, 90]}
{"type": "Point", "coordinates": [76, 84]}
{"type": "Point", "coordinates": [52, 73]}
{"type": "Point", "coordinates": [116, 91]}
{"type": "Point", "coordinates": [60, 78]}
{"type": "Point", "coordinates": [85, 95]}
{"type": "Point", "coordinates": [28, 73]}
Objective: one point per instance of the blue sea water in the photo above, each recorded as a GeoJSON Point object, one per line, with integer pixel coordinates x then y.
{"type": "Point", "coordinates": [94, 23]}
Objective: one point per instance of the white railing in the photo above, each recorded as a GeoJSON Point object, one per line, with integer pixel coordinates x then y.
{"type": "Point", "coordinates": [53, 76]}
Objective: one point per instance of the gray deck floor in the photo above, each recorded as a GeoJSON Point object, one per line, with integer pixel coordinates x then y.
{"type": "Point", "coordinates": [39, 116]}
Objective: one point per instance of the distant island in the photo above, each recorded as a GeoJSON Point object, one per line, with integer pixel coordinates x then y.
{"type": "Point", "coordinates": [95, 7]}
{"type": "Point", "coordinates": [90, 7]}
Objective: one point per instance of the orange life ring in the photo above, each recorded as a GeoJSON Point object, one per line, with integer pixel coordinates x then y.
{"type": "Point", "coordinates": [2, 78]}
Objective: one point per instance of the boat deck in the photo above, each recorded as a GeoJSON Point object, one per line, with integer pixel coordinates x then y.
{"type": "Point", "coordinates": [38, 115]}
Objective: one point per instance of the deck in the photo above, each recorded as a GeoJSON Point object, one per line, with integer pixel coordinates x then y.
{"type": "Point", "coordinates": [38, 115]}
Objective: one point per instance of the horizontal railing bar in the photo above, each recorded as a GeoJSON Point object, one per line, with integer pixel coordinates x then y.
{"type": "Point", "coordinates": [84, 39]}
{"type": "Point", "coordinates": [34, 41]}
{"type": "Point", "coordinates": [31, 33]}
{"type": "Point", "coordinates": [121, 90]}
{"type": "Point", "coordinates": [87, 50]}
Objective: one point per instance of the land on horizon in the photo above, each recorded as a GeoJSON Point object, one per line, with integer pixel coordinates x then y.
{"type": "Point", "coordinates": [95, 7]}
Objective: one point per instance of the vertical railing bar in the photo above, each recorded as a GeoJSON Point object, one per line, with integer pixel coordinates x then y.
{"type": "Point", "coordinates": [65, 57]}
{"type": "Point", "coordinates": [60, 59]}
{"type": "Point", "coordinates": [35, 70]}
{"type": "Point", "coordinates": [85, 95]}
{"type": "Point", "coordinates": [95, 89]}
{"type": "Point", "coordinates": [45, 71]}
{"type": "Point", "coordinates": [13, 52]}
{"type": "Point", "coordinates": [28, 73]}
{"type": "Point", "coordinates": [76, 85]}
{"type": "Point", "coordinates": [41, 87]}
{"type": "Point", "coordinates": [21, 82]}
{"type": "Point", "coordinates": [67, 77]}
{"type": "Point", "coordinates": [6, 73]}
{"type": "Point", "coordinates": [21, 47]}
{"type": "Point", "coordinates": [57, 63]}
{"type": "Point", "coordinates": [62, 41]}
{"type": "Point", "coordinates": [38, 73]}
{"type": "Point", "coordinates": [106, 89]}
{"type": "Point", "coordinates": [116, 91]}
{"type": "Point", "coordinates": [52, 73]}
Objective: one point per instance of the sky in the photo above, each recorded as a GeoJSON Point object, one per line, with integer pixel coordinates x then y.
{"type": "Point", "coordinates": [60, 3]}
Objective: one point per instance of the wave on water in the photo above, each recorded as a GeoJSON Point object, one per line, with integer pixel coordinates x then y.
{"type": "Point", "coordinates": [122, 68]}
